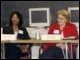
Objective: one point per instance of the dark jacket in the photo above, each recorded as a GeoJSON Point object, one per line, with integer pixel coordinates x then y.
{"type": "Point", "coordinates": [11, 50]}
{"type": "Point", "coordinates": [9, 30]}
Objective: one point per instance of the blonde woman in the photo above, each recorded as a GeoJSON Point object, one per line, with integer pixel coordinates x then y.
{"type": "Point", "coordinates": [66, 29]}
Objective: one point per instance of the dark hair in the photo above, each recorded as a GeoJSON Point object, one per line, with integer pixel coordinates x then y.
{"type": "Point", "coordinates": [19, 16]}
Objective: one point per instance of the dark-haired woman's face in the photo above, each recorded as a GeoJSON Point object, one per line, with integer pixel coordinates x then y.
{"type": "Point", "coordinates": [15, 19]}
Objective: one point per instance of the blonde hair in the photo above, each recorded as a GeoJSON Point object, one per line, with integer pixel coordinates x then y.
{"type": "Point", "coordinates": [64, 13]}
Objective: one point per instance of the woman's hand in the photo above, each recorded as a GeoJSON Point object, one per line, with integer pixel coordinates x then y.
{"type": "Point", "coordinates": [24, 48]}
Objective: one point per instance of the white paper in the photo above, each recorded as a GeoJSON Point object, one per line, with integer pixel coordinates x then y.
{"type": "Point", "coordinates": [51, 37]}
{"type": "Point", "coordinates": [5, 37]}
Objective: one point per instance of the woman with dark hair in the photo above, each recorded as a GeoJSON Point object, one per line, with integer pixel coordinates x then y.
{"type": "Point", "coordinates": [14, 51]}
{"type": "Point", "coordinates": [19, 16]}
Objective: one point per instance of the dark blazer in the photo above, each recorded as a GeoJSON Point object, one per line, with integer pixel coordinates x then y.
{"type": "Point", "coordinates": [9, 30]}
{"type": "Point", "coordinates": [11, 50]}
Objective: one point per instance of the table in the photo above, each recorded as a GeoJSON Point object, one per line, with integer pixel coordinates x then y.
{"type": "Point", "coordinates": [35, 41]}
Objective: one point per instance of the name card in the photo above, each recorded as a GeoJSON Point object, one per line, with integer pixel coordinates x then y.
{"type": "Point", "coordinates": [5, 37]}
{"type": "Point", "coordinates": [51, 37]}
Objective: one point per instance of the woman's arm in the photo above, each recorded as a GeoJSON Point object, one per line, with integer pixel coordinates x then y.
{"type": "Point", "coordinates": [68, 38]}
{"type": "Point", "coordinates": [25, 36]}
{"type": "Point", "coordinates": [73, 33]}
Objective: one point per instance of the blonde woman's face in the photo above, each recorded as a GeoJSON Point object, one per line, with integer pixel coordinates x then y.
{"type": "Point", "coordinates": [61, 20]}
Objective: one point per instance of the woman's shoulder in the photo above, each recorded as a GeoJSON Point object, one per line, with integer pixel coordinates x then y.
{"type": "Point", "coordinates": [23, 28]}
{"type": "Point", "coordinates": [71, 24]}
{"type": "Point", "coordinates": [7, 28]}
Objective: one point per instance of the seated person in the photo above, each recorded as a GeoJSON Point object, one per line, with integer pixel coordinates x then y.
{"type": "Point", "coordinates": [14, 51]}
{"type": "Point", "coordinates": [66, 29]}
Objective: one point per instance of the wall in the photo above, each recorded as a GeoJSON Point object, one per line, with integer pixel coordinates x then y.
{"type": "Point", "coordinates": [7, 7]}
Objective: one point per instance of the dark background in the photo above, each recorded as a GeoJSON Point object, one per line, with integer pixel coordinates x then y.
{"type": "Point", "coordinates": [7, 7]}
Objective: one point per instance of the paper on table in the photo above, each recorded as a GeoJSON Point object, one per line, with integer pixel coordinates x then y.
{"type": "Point", "coordinates": [5, 37]}
{"type": "Point", "coordinates": [51, 37]}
